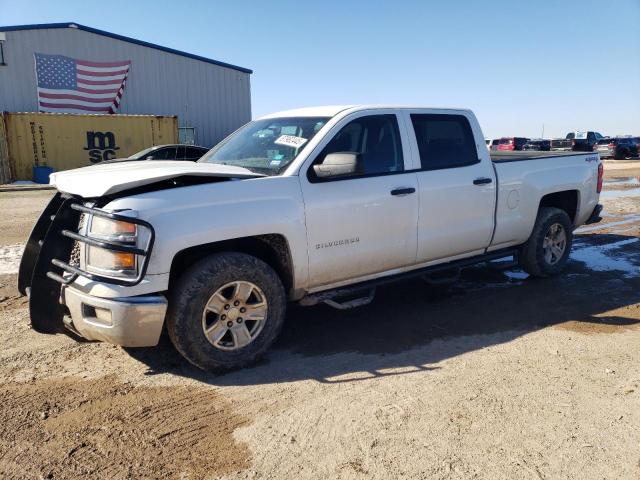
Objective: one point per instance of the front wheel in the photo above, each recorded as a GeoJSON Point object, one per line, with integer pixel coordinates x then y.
{"type": "Point", "coordinates": [226, 311]}
{"type": "Point", "coordinates": [547, 251]}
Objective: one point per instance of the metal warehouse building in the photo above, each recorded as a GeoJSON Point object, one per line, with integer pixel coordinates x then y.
{"type": "Point", "coordinates": [210, 98]}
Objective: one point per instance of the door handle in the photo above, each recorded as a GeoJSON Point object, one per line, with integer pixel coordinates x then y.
{"type": "Point", "coordinates": [403, 191]}
{"type": "Point", "coordinates": [482, 181]}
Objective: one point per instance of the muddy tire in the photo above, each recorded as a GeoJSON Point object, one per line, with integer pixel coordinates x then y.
{"type": "Point", "coordinates": [226, 311]}
{"type": "Point", "coordinates": [548, 248]}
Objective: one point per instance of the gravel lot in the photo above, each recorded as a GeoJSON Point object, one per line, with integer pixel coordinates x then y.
{"type": "Point", "coordinates": [499, 376]}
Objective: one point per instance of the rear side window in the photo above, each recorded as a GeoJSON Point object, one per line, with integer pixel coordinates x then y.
{"type": "Point", "coordinates": [444, 141]}
{"type": "Point", "coordinates": [506, 141]}
{"type": "Point", "coordinates": [194, 153]}
{"type": "Point", "coordinates": [168, 153]}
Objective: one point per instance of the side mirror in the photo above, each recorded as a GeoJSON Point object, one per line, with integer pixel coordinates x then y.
{"type": "Point", "coordinates": [338, 164]}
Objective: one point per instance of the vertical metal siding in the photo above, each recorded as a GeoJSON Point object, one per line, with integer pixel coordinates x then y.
{"type": "Point", "coordinates": [215, 100]}
{"type": "Point", "coordinates": [6, 174]}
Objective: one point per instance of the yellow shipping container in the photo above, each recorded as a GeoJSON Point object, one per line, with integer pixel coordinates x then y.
{"type": "Point", "coordinates": [64, 140]}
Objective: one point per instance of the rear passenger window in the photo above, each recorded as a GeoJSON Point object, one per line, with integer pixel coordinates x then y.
{"type": "Point", "coordinates": [168, 153]}
{"type": "Point", "coordinates": [194, 153]}
{"type": "Point", "coordinates": [444, 141]}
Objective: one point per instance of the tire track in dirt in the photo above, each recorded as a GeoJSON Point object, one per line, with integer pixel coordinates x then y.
{"type": "Point", "coordinates": [108, 429]}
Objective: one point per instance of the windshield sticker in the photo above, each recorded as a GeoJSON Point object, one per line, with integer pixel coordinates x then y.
{"type": "Point", "coordinates": [290, 141]}
{"type": "Point", "coordinates": [275, 162]}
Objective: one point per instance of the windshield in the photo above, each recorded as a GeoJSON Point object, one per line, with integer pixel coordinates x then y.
{"type": "Point", "coordinates": [266, 146]}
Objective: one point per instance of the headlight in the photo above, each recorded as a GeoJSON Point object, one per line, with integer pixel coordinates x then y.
{"type": "Point", "coordinates": [114, 230]}
{"type": "Point", "coordinates": [108, 262]}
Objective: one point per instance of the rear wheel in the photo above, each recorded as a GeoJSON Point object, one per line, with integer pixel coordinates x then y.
{"type": "Point", "coordinates": [226, 311]}
{"type": "Point", "coordinates": [547, 251]}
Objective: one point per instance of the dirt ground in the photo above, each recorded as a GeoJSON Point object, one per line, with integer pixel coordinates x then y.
{"type": "Point", "coordinates": [497, 377]}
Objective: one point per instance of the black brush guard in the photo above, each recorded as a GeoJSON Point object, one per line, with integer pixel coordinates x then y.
{"type": "Point", "coordinates": [44, 268]}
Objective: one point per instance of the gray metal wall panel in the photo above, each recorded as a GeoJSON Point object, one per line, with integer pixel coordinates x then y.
{"type": "Point", "coordinates": [215, 100]}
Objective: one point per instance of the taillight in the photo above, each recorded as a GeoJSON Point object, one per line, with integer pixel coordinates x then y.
{"type": "Point", "coordinates": [600, 174]}
{"type": "Point", "coordinates": [612, 145]}
{"type": "Point", "coordinates": [573, 142]}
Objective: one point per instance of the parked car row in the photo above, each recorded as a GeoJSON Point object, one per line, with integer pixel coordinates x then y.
{"type": "Point", "coordinates": [518, 143]}
{"type": "Point", "coordinates": [588, 141]}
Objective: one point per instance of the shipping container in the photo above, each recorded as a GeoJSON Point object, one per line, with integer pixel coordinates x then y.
{"type": "Point", "coordinates": [63, 141]}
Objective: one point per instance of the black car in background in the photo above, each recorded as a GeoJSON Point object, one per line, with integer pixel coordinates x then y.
{"type": "Point", "coordinates": [170, 152]}
{"type": "Point", "coordinates": [189, 153]}
{"type": "Point", "coordinates": [618, 148]}
{"type": "Point", "coordinates": [541, 145]}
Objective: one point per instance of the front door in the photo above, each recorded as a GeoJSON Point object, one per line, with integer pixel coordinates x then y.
{"type": "Point", "coordinates": [362, 224]}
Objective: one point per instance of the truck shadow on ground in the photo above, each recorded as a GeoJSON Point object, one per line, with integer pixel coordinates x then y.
{"type": "Point", "coordinates": [411, 326]}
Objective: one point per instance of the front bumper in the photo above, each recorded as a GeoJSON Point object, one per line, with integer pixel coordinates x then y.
{"type": "Point", "coordinates": [130, 322]}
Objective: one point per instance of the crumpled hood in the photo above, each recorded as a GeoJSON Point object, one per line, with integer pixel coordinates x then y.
{"type": "Point", "coordinates": [99, 180]}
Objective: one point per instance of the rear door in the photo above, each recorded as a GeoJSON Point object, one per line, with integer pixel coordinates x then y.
{"type": "Point", "coordinates": [457, 187]}
{"type": "Point", "coordinates": [364, 224]}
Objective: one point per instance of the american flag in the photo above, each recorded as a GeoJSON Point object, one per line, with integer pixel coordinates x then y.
{"type": "Point", "coordinates": [78, 86]}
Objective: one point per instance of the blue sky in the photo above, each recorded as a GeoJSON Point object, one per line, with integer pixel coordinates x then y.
{"type": "Point", "coordinates": [567, 64]}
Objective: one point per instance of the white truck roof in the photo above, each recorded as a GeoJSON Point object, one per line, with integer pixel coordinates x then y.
{"type": "Point", "coordinates": [332, 110]}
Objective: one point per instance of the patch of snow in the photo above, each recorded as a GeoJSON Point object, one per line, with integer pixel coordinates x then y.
{"type": "Point", "coordinates": [623, 181]}
{"type": "Point", "coordinates": [10, 258]}
{"type": "Point", "coordinates": [600, 226]}
{"type": "Point", "coordinates": [516, 275]}
{"type": "Point", "coordinates": [597, 258]}
{"type": "Point", "coordinates": [612, 194]}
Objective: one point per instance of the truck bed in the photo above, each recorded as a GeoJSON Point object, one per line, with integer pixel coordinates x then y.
{"type": "Point", "coordinates": [515, 156]}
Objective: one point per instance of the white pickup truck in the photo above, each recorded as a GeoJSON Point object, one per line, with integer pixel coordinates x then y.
{"type": "Point", "coordinates": [311, 205]}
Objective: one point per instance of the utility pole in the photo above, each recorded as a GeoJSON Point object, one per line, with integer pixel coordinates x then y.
{"type": "Point", "coordinates": [542, 131]}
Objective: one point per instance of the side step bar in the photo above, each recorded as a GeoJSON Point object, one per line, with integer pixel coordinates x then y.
{"type": "Point", "coordinates": [363, 293]}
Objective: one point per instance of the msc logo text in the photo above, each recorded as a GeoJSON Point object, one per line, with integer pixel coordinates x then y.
{"type": "Point", "coordinates": [101, 146]}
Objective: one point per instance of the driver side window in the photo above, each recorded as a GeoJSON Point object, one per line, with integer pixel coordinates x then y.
{"type": "Point", "coordinates": [375, 139]}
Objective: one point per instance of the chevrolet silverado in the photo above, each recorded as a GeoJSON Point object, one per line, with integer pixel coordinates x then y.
{"type": "Point", "coordinates": [311, 205]}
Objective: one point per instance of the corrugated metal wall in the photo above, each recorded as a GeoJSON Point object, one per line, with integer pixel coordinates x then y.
{"type": "Point", "coordinates": [214, 99]}
{"type": "Point", "coordinates": [65, 141]}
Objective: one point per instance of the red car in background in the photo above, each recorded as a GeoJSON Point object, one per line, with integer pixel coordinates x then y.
{"type": "Point", "coordinates": [512, 143]}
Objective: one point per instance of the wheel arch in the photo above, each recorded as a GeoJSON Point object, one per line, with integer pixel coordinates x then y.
{"type": "Point", "coordinates": [273, 249]}
{"type": "Point", "coordinates": [566, 200]}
